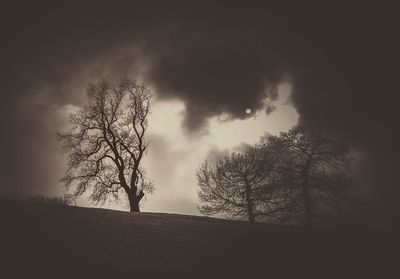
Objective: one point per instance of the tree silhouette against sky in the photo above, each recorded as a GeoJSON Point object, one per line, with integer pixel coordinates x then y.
{"type": "Point", "coordinates": [318, 169]}
{"type": "Point", "coordinates": [301, 176]}
{"type": "Point", "coordinates": [106, 143]}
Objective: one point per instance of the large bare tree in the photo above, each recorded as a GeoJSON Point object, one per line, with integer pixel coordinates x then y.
{"type": "Point", "coordinates": [106, 143]}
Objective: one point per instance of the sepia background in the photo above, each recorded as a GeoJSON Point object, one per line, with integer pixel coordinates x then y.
{"type": "Point", "coordinates": [328, 67]}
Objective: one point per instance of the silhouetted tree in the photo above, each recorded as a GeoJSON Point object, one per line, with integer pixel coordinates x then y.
{"type": "Point", "coordinates": [236, 185]}
{"type": "Point", "coordinates": [318, 174]}
{"type": "Point", "coordinates": [106, 143]}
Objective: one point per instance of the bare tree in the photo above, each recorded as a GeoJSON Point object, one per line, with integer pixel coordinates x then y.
{"type": "Point", "coordinates": [318, 170]}
{"type": "Point", "coordinates": [106, 143]}
{"type": "Point", "coordinates": [233, 186]}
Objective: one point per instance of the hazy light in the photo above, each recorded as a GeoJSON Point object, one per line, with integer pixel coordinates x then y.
{"type": "Point", "coordinates": [173, 158]}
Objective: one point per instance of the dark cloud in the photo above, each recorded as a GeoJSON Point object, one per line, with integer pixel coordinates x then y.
{"type": "Point", "coordinates": [217, 59]}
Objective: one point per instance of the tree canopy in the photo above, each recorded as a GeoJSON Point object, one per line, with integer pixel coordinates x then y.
{"type": "Point", "coordinates": [237, 184]}
{"type": "Point", "coordinates": [320, 169]}
{"type": "Point", "coordinates": [301, 176]}
{"type": "Point", "coordinates": [106, 143]}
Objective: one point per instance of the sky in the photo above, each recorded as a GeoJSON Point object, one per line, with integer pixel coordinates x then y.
{"type": "Point", "coordinates": [174, 155]}
{"type": "Point", "coordinates": [205, 62]}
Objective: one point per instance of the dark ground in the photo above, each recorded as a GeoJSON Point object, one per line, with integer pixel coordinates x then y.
{"type": "Point", "coordinates": [48, 241]}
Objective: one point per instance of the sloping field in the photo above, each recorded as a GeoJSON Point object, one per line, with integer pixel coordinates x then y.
{"type": "Point", "coordinates": [47, 241]}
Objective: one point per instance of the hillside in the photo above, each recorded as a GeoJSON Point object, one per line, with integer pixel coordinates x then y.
{"type": "Point", "coordinates": [54, 241]}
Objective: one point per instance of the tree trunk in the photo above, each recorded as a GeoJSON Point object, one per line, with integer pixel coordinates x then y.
{"type": "Point", "coordinates": [249, 202]}
{"type": "Point", "coordinates": [134, 205]}
{"type": "Point", "coordinates": [134, 201]}
{"type": "Point", "coordinates": [306, 195]}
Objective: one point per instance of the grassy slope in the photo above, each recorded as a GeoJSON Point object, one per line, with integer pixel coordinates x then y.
{"type": "Point", "coordinates": [52, 241]}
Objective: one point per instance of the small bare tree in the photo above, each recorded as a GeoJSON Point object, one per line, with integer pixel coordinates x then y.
{"type": "Point", "coordinates": [236, 185]}
{"type": "Point", "coordinates": [106, 143]}
{"type": "Point", "coordinates": [318, 173]}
